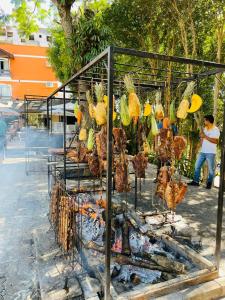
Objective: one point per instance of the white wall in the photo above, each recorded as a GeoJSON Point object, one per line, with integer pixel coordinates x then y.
{"type": "Point", "coordinates": [40, 38]}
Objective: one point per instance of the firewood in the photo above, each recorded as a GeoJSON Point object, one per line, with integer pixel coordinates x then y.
{"type": "Point", "coordinates": [164, 261]}
{"type": "Point", "coordinates": [124, 260]}
{"type": "Point", "coordinates": [125, 239]}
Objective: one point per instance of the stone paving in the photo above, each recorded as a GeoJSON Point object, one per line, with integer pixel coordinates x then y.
{"type": "Point", "coordinates": [24, 208]}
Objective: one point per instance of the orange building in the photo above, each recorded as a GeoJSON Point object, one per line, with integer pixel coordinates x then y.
{"type": "Point", "coordinates": [24, 69]}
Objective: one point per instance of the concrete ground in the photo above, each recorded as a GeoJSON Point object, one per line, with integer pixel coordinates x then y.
{"type": "Point", "coordinates": [24, 208]}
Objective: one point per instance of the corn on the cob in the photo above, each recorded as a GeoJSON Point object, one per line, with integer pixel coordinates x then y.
{"type": "Point", "coordinates": [91, 139]}
{"type": "Point", "coordinates": [124, 111]}
{"type": "Point", "coordinates": [147, 109]}
{"type": "Point", "coordinates": [83, 134]}
{"type": "Point", "coordinates": [133, 101]}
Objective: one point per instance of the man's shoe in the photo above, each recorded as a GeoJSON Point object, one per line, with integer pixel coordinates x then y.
{"type": "Point", "coordinates": [155, 180]}
{"type": "Point", "coordinates": [193, 183]}
{"type": "Point", "coordinates": [209, 186]}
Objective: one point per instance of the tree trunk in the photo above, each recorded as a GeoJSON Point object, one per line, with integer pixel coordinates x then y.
{"type": "Point", "coordinates": [64, 10]}
{"type": "Point", "coordinates": [220, 38]}
{"type": "Point", "coordinates": [183, 32]}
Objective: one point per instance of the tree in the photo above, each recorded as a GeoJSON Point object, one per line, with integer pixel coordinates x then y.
{"type": "Point", "coordinates": [90, 37]}
{"type": "Point", "coordinates": [64, 11]}
{"type": "Point", "coordinates": [28, 14]}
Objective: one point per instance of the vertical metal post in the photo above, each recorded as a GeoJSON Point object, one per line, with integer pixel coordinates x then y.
{"type": "Point", "coordinates": [220, 195]}
{"type": "Point", "coordinates": [109, 172]}
{"type": "Point", "coordinates": [136, 179]}
{"type": "Point", "coordinates": [51, 114]}
{"type": "Point", "coordinates": [64, 133]}
{"type": "Point", "coordinates": [48, 115]}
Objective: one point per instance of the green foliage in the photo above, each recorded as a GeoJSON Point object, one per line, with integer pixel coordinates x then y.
{"type": "Point", "coordinates": [28, 14]}
{"type": "Point", "coordinates": [90, 37]}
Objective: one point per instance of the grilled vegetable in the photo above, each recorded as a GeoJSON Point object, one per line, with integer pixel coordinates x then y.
{"type": "Point", "coordinates": [91, 139]}
{"type": "Point", "coordinates": [166, 123]}
{"type": "Point", "coordinates": [100, 110]}
{"type": "Point", "coordinates": [159, 113]}
{"type": "Point", "coordinates": [146, 147]}
{"type": "Point", "coordinates": [76, 109]}
{"type": "Point", "coordinates": [79, 117]}
{"type": "Point", "coordinates": [133, 101]}
{"type": "Point", "coordinates": [147, 109]}
{"type": "Point", "coordinates": [105, 99]}
{"type": "Point", "coordinates": [100, 113]}
{"type": "Point", "coordinates": [124, 111]}
{"type": "Point", "coordinates": [90, 105]}
{"type": "Point", "coordinates": [83, 134]}
{"type": "Point", "coordinates": [182, 111]}
{"type": "Point", "coordinates": [172, 112]}
{"type": "Point", "coordinates": [154, 127]}
{"type": "Point", "coordinates": [183, 108]}
{"type": "Point", "coordinates": [196, 103]}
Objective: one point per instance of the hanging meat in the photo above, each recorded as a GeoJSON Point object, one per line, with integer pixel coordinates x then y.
{"type": "Point", "coordinates": [164, 176]}
{"type": "Point", "coordinates": [121, 174]}
{"type": "Point", "coordinates": [140, 163]}
{"type": "Point", "coordinates": [120, 139]}
{"type": "Point", "coordinates": [141, 135]}
{"type": "Point", "coordinates": [163, 179]}
{"type": "Point", "coordinates": [54, 202]}
{"type": "Point", "coordinates": [178, 146]}
{"type": "Point", "coordinates": [164, 145]}
{"type": "Point", "coordinates": [101, 142]}
{"type": "Point", "coordinates": [174, 193]}
{"type": "Point", "coordinates": [160, 191]}
{"type": "Point", "coordinates": [181, 189]}
{"type": "Point", "coordinates": [93, 163]}
{"type": "Point", "coordinates": [80, 154]}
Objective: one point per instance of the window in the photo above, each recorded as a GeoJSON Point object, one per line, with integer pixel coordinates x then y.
{"type": "Point", "coordinates": [31, 37]}
{"type": "Point", "coordinates": [5, 90]}
{"type": "Point", "coordinates": [23, 40]}
{"type": "Point", "coordinates": [4, 65]}
{"type": "Point", "coordinates": [48, 38]}
{"type": "Point", "coordinates": [40, 36]}
{"type": "Point", "coordinates": [9, 34]}
{"type": "Point", "coordinates": [49, 84]}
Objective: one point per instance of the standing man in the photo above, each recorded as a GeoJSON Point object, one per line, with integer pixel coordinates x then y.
{"type": "Point", "coordinates": [3, 128]}
{"type": "Point", "coordinates": [209, 138]}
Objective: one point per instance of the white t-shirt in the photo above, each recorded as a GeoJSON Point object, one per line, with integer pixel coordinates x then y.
{"type": "Point", "coordinates": [207, 146]}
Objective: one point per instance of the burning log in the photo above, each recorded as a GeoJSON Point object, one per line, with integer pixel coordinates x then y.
{"type": "Point", "coordinates": [136, 222]}
{"type": "Point", "coordinates": [158, 262]}
{"type": "Point", "coordinates": [125, 239]}
{"type": "Point", "coordinates": [163, 261]}
{"type": "Point", "coordinates": [124, 260]}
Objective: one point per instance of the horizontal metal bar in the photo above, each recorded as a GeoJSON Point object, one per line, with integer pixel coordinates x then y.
{"type": "Point", "coordinates": [211, 72]}
{"type": "Point", "coordinates": [155, 69]}
{"type": "Point", "coordinates": [84, 69]}
{"type": "Point", "coordinates": [163, 57]}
